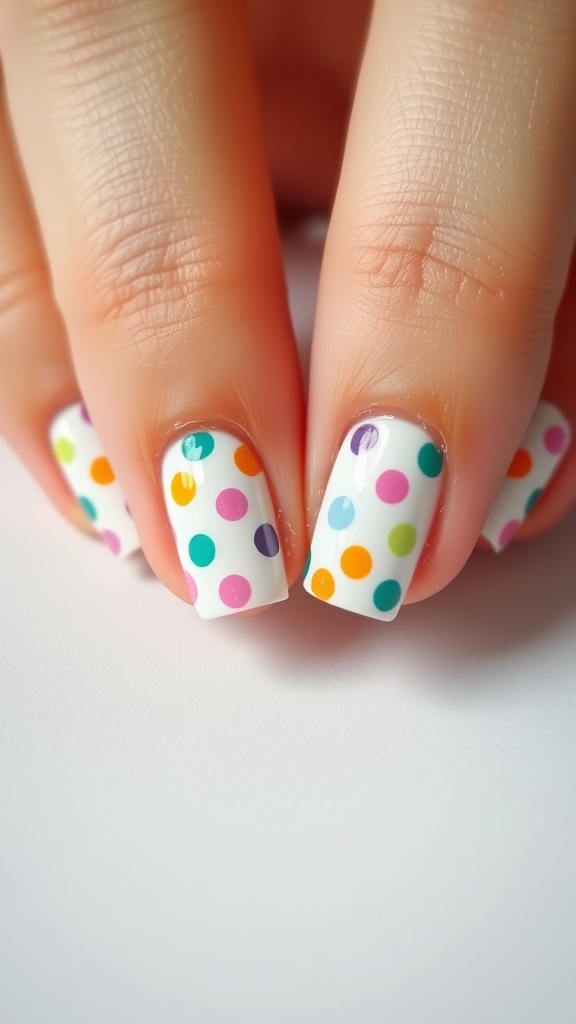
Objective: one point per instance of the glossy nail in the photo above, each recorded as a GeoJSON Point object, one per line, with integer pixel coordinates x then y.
{"type": "Point", "coordinates": [79, 454]}
{"type": "Point", "coordinates": [375, 517]}
{"type": "Point", "coordinates": [543, 447]}
{"type": "Point", "coordinates": [224, 524]}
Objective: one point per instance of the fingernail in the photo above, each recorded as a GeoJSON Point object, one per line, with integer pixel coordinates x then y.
{"type": "Point", "coordinates": [543, 447]}
{"type": "Point", "coordinates": [224, 524]}
{"type": "Point", "coordinates": [375, 517]}
{"type": "Point", "coordinates": [79, 454]}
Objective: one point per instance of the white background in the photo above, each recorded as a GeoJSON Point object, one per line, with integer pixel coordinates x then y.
{"type": "Point", "coordinates": [299, 818]}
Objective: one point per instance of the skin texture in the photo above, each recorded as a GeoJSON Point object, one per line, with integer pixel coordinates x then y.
{"type": "Point", "coordinates": [139, 257]}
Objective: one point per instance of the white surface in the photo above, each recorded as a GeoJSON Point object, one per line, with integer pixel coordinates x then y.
{"type": "Point", "coordinates": [300, 818]}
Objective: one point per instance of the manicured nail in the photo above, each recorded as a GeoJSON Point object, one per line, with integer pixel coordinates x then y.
{"type": "Point", "coordinates": [375, 517]}
{"type": "Point", "coordinates": [223, 523]}
{"type": "Point", "coordinates": [90, 476]}
{"type": "Point", "coordinates": [544, 445]}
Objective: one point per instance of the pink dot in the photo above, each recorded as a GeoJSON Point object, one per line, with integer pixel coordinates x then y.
{"type": "Point", "coordinates": [555, 440]}
{"type": "Point", "coordinates": [392, 486]}
{"type": "Point", "coordinates": [191, 587]}
{"type": "Point", "coordinates": [231, 504]}
{"type": "Point", "coordinates": [508, 532]}
{"type": "Point", "coordinates": [235, 591]}
{"type": "Point", "coordinates": [112, 540]}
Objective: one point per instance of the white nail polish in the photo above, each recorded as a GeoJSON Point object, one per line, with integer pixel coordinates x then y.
{"type": "Point", "coordinates": [79, 454]}
{"type": "Point", "coordinates": [223, 523]}
{"type": "Point", "coordinates": [375, 517]}
{"type": "Point", "coordinates": [543, 447]}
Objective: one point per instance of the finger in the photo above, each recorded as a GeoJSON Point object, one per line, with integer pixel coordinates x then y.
{"type": "Point", "coordinates": [148, 173]}
{"type": "Point", "coordinates": [446, 258]}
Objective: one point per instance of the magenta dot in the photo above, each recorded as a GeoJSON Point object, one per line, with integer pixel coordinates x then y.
{"type": "Point", "coordinates": [508, 532]}
{"type": "Point", "coordinates": [85, 414]}
{"type": "Point", "coordinates": [112, 540]}
{"type": "Point", "coordinates": [392, 486]}
{"type": "Point", "coordinates": [191, 587]}
{"type": "Point", "coordinates": [235, 591]}
{"type": "Point", "coordinates": [555, 440]}
{"type": "Point", "coordinates": [231, 504]}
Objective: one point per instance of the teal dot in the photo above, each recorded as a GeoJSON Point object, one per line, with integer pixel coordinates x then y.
{"type": "Point", "coordinates": [87, 507]}
{"type": "Point", "coordinates": [201, 550]}
{"type": "Point", "coordinates": [430, 459]}
{"type": "Point", "coordinates": [341, 513]}
{"type": "Point", "coordinates": [197, 446]}
{"type": "Point", "coordinates": [532, 500]}
{"type": "Point", "coordinates": [307, 566]}
{"type": "Point", "coordinates": [387, 595]}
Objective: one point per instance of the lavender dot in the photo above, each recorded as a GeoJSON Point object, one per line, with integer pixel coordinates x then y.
{"type": "Point", "coordinates": [364, 438]}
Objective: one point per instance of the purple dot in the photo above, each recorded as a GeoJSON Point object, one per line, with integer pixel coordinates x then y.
{"type": "Point", "coordinates": [112, 540]}
{"type": "Point", "coordinates": [231, 504]}
{"type": "Point", "coordinates": [191, 587]}
{"type": "Point", "coordinates": [555, 440]}
{"type": "Point", "coordinates": [126, 506]}
{"type": "Point", "coordinates": [508, 532]}
{"type": "Point", "coordinates": [364, 438]}
{"type": "Point", "coordinates": [266, 540]}
{"type": "Point", "coordinates": [392, 486]}
{"type": "Point", "coordinates": [84, 413]}
{"type": "Point", "coordinates": [235, 591]}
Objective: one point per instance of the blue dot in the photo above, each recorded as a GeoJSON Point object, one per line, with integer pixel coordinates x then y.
{"type": "Point", "coordinates": [341, 513]}
{"type": "Point", "coordinates": [387, 595]}
{"type": "Point", "coordinates": [197, 446]}
{"type": "Point", "coordinates": [201, 550]}
{"type": "Point", "coordinates": [87, 507]}
{"type": "Point", "coordinates": [532, 500]}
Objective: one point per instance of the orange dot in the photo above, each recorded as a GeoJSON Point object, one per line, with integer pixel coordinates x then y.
{"type": "Point", "coordinates": [101, 471]}
{"type": "Point", "coordinates": [247, 461]}
{"type": "Point", "coordinates": [521, 464]}
{"type": "Point", "coordinates": [322, 584]}
{"type": "Point", "coordinates": [183, 488]}
{"type": "Point", "coordinates": [356, 562]}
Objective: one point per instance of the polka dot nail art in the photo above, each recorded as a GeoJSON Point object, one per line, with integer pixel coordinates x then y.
{"type": "Point", "coordinates": [223, 523]}
{"type": "Point", "coordinates": [78, 451]}
{"type": "Point", "coordinates": [543, 447]}
{"type": "Point", "coordinates": [375, 517]}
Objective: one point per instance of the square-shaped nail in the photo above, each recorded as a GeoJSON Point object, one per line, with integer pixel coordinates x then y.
{"type": "Point", "coordinates": [375, 517]}
{"type": "Point", "coordinates": [80, 456]}
{"type": "Point", "coordinates": [224, 524]}
{"type": "Point", "coordinates": [543, 447]}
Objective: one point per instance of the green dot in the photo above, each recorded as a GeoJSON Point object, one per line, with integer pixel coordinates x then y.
{"type": "Point", "coordinates": [64, 450]}
{"type": "Point", "coordinates": [430, 459]}
{"type": "Point", "coordinates": [532, 500]}
{"type": "Point", "coordinates": [197, 446]}
{"type": "Point", "coordinates": [87, 507]}
{"type": "Point", "coordinates": [401, 539]}
{"type": "Point", "coordinates": [201, 550]}
{"type": "Point", "coordinates": [307, 566]}
{"type": "Point", "coordinates": [387, 595]}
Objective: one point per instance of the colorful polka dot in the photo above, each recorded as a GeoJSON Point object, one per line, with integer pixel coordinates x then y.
{"type": "Point", "coordinates": [307, 565]}
{"type": "Point", "coordinates": [183, 488]}
{"type": "Point", "coordinates": [521, 465]}
{"type": "Point", "coordinates": [341, 513]}
{"type": "Point", "coordinates": [392, 486]}
{"type": "Point", "coordinates": [387, 595]}
{"type": "Point", "coordinates": [235, 591]}
{"type": "Point", "coordinates": [202, 550]}
{"type": "Point", "coordinates": [64, 450]}
{"type": "Point", "coordinates": [231, 504]}
{"type": "Point", "coordinates": [101, 471]}
{"type": "Point", "coordinates": [247, 461]}
{"type": "Point", "coordinates": [322, 584]}
{"type": "Point", "coordinates": [84, 414]}
{"type": "Point", "coordinates": [192, 587]}
{"type": "Point", "coordinates": [87, 507]}
{"type": "Point", "coordinates": [402, 539]}
{"type": "Point", "coordinates": [508, 532]}
{"type": "Point", "coordinates": [532, 500]}
{"type": "Point", "coordinates": [197, 446]}
{"type": "Point", "coordinates": [430, 459]}
{"type": "Point", "coordinates": [555, 439]}
{"type": "Point", "coordinates": [364, 438]}
{"type": "Point", "coordinates": [112, 541]}
{"type": "Point", "coordinates": [266, 540]}
{"type": "Point", "coordinates": [356, 562]}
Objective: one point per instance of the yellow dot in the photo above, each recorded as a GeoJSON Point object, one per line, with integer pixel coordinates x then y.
{"type": "Point", "coordinates": [183, 488]}
{"type": "Point", "coordinates": [356, 562]}
{"type": "Point", "coordinates": [322, 584]}
{"type": "Point", "coordinates": [247, 461]}
{"type": "Point", "coordinates": [64, 450]}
